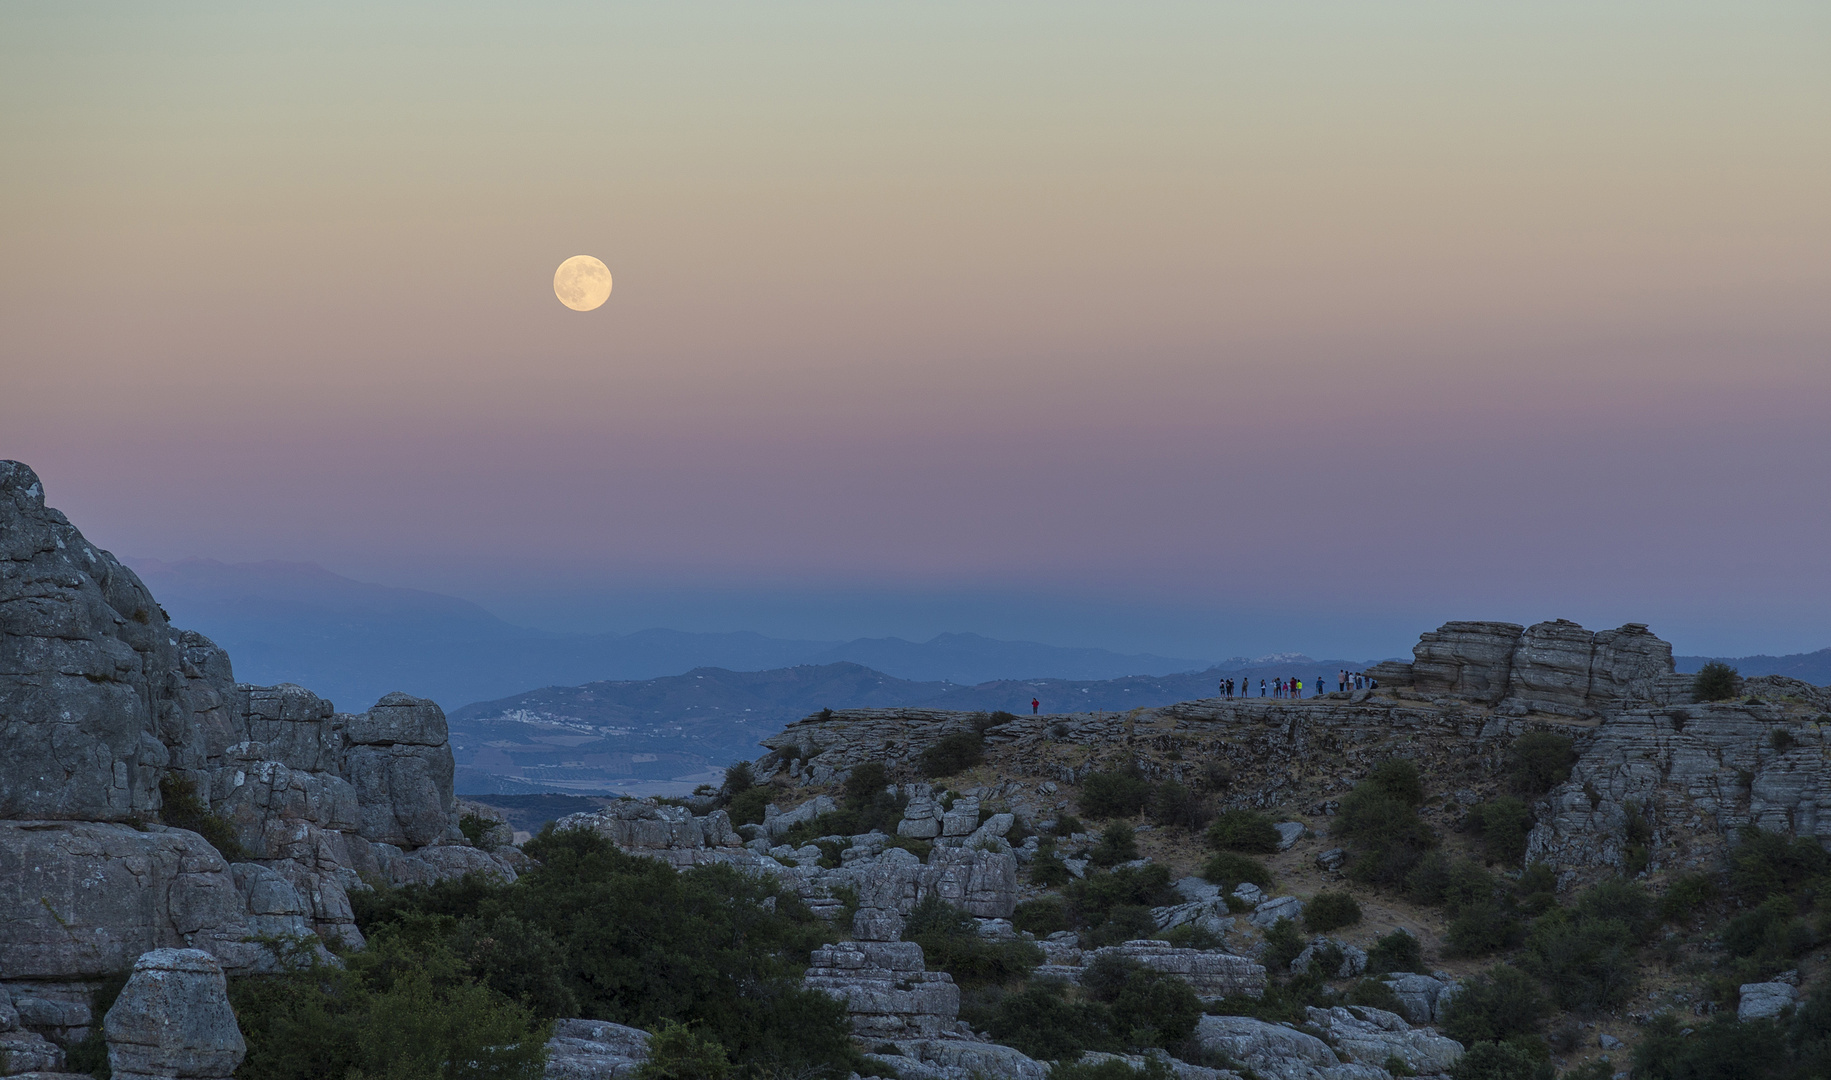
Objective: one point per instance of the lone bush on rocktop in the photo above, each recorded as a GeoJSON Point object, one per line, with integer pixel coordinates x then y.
{"type": "Point", "coordinates": [953, 754]}
{"type": "Point", "coordinates": [1243, 830]}
{"type": "Point", "coordinates": [1715, 681]}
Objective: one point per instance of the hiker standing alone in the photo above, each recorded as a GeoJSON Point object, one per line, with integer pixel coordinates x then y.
{"type": "Point", "coordinates": [1035, 704]}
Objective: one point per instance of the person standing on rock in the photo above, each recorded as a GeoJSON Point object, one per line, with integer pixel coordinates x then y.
{"type": "Point", "coordinates": [1261, 687]}
{"type": "Point", "coordinates": [1297, 689]}
{"type": "Point", "coordinates": [1035, 705]}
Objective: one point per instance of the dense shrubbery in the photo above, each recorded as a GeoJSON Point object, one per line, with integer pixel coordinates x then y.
{"type": "Point", "coordinates": [1493, 1006]}
{"type": "Point", "coordinates": [590, 932]}
{"type": "Point", "coordinates": [1118, 843]}
{"type": "Point", "coordinates": [1243, 830]}
{"type": "Point", "coordinates": [1111, 1069]}
{"type": "Point", "coordinates": [1796, 1049]}
{"type": "Point", "coordinates": [1228, 870]}
{"type": "Point", "coordinates": [1585, 955]}
{"type": "Point", "coordinates": [867, 803]}
{"type": "Point", "coordinates": [1122, 1006]}
{"type": "Point", "coordinates": [1330, 911]}
{"type": "Point", "coordinates": [1116, 906]}
{"type": "Point", "coordinates": [950, 942]}
{"type": "Point", "coordinates": [1502, 1061]}
{"type": "Point", "coordinates": [1541, 761]}
{"type": "Point", "coordinates": [1043, 916]}
{"type": "Point", "coordinates": [1397, 951]}
{"type": "Point", "coordinates": [1502, 825]}
{"type": "Point", "coordinates": [1715, 681]}
{"type": "Point", "coordinates": [1283, 943]}
{"type": "Point", "coordinates": [182, 808]}
{"type": "Point", "coordinates": [1379, 817]}
{"type": "Point", "coordinates": [1174, 804]}
{"type": "Point", "coordinates": [1115, 793]}
{"type": "Point", "coordinates": [954, 753]}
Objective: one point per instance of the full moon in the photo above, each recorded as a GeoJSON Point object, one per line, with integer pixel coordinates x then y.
{"type": "Point", "coordinates": [582, 283]}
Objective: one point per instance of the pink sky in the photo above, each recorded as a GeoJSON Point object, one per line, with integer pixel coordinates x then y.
{"type": "Point", "coordinates": [1304, 327]}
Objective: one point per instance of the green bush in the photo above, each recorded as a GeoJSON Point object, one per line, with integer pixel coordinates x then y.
{"type": "Point", "coordinates": [953, 754]}
{"type": "Point", "coordinates": [1042, 1022]}
{"type": "Point", "coordinates": [1428, 882]}
{"type": "Point", "coordinates": [1686, 894]}
{"type": "Point", "coordinates": [1243, 830]}
{"type": "Point", "coordinates": [1502, 825]}
{"type": "Point", "coordinates": [1379, 818]}
{"type": "Point", "coordinates": [1127, 922]}
{"type": "Point", "coordinates": [1093, 897]}
{"type": "Point", "coordinates": [1770, 933]}
{"type": "Point", "coordinates": [1500, 1003]}
{"type": "Point", "coordinates": [738, 779]}
{"type": "Point", "coordinates": [747, 806]}
{"type": "Point", "coordinates": [867, 783]}
{"type": "Point", "coordinates": [1715, 681]}
{"type": "Point", "coordinates": [1176, 805]}
{"type": "Point", "coordinates": [476, 828]}
{"type": "Point", "coordinates": [1118, 843]}
{"type": "Point", "coordinates": [1588, 964]}
{"type": "Point", "coordinates": [1536, 891]}
{"type": "Point", "coordinates": [1397, 951]}
{"type": "Point", "coordinates": [1724, 1050]}
{"type": "Point", "coordinates": [1330, 911]}
{"type": "Point", "coordinates": [182, 808]}
{"type": "Point", "coordinates": [1375, 994]}
{"type": "Point", "coordinates": [1047, 869]}
{"type": "Point", "coordinates": [1482, 929]}
{"type": "Point", "coordinates": [1042, 916]}
{"type": "Point", "coordinates": [1764, 863]}
{"type": "Point", "coordinates": [1620, 900]}
{"type": "Point", "coordinates": [1283, 943]}
{"type": "Point", "coordinates": [631, 941]}
{"type": "Point", "coordinates": [1192, 936]}
{"type": "Point", "coordinates": [1502, 1061]}
{"type": "Point", "coordinates": [675, 1053]}
{"type": "Point", "coordinates": [1229, 870]}
{"type": "Point", "coordinates": [950, 942]}
{"type": "Point", "coordinates": [1148, 1007]}
{"type": "Point", "coordinates": [1116, 793]}
{"type": "Point", "coordinates": [1468, 884]}
{"type": "Point", "coordinates": [1541, 761]}
{"type": "Point", "coordinates": [1067, 825]}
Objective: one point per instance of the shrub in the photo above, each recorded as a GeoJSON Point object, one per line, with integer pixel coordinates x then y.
{"type": "Point", "coordinates": [1429, 881]}
{"type": "Point", "coordinates": [1243, 830]}
{"type": "Point", "coordinates": [1588, 964]}
{"type": "Point", "coordinates": [1048, 870]}
{"type": "Point", "coordinates": [1781, 740]}
{"type": "Point", "coordinates": [1720, 1050]}
{"type": "Point", "coordinates": [476, 828]}
{"type": "Point", "coordinates": [1497, 1004]}
{"type": "Point", "coordinates": [675, 1053]}
{"type": "Point", "coordinates": [1192, 936]}
{"type": "Point", "coordinates": [1541, 761]}
{"type": "Point", "coordinates": [953, 754]}
{"type": "Point", "coordinates": [1397, 951]}
{"type": "Point", "coordinates": [1228, 870]}
{"type": "Point", "coordinates": [1148, 1007]}
{"type": "Point", "coordinates": [1621, 900]}
{"type": "Point", "coordinates": [1501, 1061]}
{"type": "Point", "coordinates": [1502, 825]}
{"type": "Point", "coordinates": [1388, 837]}
{"type": "Point", "coordinates": [867, 782]}
{"type": "Point", "coordinates": [950, 942]}
{"type": "Point", "coordinates": [182, 808]}
{"type": "Point", "coordinates": [1094, 897]}
{"type": "Point", "coordinates": [1330, 911]}
{"type": "Point", "coordinates": [1118, 843]}
{"type": "Point", "coordinates": [1685, 894]}
{"type": "Point", "coordinates": [1397, 778]}
{"type": "Point", "coordinates": [1174, 804]}
{"type": "Point", "coordinates": [1483, 928]}
{"type": "Point", "coordinates": [747, 806]}
{"type": "Point", "coordinates": [1467, 884]}
{"type": "Point", "coordinates": [1042, 916]}
{"type": "Point", "coordinates": [738, 779]}
{"type": "Point", "coordinates": [1715, 681]}
{"type": "Point", "coordinates": [1067, 825]}
{"type": "Point", "coordinates": [1127, 922]}
{"type": "Point", "coordinates": [1041, 1022]}
{"type": "Point", "coordinates": [1116, 793]}
{"type": "Point", "coordinates": [1283, 943]}
{"type": "Point", "coordinates": [1770, 933]}
{"type": "Point", "coordinates": [1536, 891]}
{"type": "Point", "coordinates": [1764, 863]}
{"type": "Point", "coordinates": [1375, 994]}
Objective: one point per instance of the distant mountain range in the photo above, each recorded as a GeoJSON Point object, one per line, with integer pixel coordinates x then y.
{"type": "Point", "coordinates": [352, 642]}
{"type": "Point", "coordinates": [660, 736]}
{"type": "Point", "coordinates": [1812, 667]}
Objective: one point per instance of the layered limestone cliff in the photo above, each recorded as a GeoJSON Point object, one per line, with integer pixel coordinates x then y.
{"type": "Point", "coordinates": [107, 710]}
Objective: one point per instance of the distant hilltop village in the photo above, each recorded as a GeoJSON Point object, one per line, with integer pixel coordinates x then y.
{"type": "Point", "coordinates": [1528, 844]}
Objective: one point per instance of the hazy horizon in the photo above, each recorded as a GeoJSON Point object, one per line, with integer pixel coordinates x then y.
{"type": "Point", "coordinates": [1165, 328]}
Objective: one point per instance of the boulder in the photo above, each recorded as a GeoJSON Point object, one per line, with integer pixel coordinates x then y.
{"type": "Point", "coordinates": [1279, 907]}
{"type": "Point", "coordinates": [1550, 670]}
{"type": "Point", "coordinates": [963, 1059]}
{"type": "Point", "coordinates": [173, 1020]}
{"type": "Point", "coordinates": [1373, 1037]}
{"type": "Point", "coordinates": [400, 764]}
{"type": "Point", "coordinates": [594, 1050]}
{"type": "Point", "coordinates": [1289, 832]}
{"type": "Point", "coordinates": [1762, 1001]}
{"type": "Point", "coordinates": [1421, 997]}
{"type": "Point", "coordinates": [886, 989]}
{"type": "Point", "coordinates": [1353, 959]}
{"type": "Point", "coordinates": [1273, 1051]}
{"type": "Point", "coordinates": [962, 819]}
{"type": "Point", "coordinates": [1473, 660]}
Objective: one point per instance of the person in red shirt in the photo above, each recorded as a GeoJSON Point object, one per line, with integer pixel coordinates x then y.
{"type": "Point", "coordinates": [1035, 704]}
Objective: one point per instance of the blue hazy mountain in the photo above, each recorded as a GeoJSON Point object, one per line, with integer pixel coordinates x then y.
{"type": "Point", "coordinates": [1812, 667]}
{"type": "Point", "coordinates": [352, 641]}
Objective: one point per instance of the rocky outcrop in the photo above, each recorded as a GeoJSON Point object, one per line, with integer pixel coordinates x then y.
{"type": "Point", "coordinates": [24, 1051]}
{"type": "Point", "coordinates": [594, 1050]}
{"type": "Point", "coordinates": [173, 1020]}
{"type": "Point", "coordinates": [1212, 974]}
{"type": "Point", "coordinates": [1276, 1052]}
{"type": "Point", "coordinates": [102, 701]}
{"type": "Point", "coordinates": [963, 1059]}
{"type": "Point", "coordinates": [1551, 667]}
{"type": "Point", "coordinates": [885, 988]}
{"type": "Point", "coordinates": [1472, 660]}
{"type": "Point", "coordinates": [1764, 1001]}
{"type": "Point", "coordinates": [1369, 1036]}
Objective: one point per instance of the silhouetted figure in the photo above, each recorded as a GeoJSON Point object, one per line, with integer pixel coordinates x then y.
{"type": "Point", "coordinates": [1035, 705]}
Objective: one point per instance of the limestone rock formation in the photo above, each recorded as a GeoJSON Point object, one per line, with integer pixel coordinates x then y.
{"type": "Point", "coordinates": [1277, 1052]}
{"type": "Point", "coordinates": [594, 1050]}
{"type": "Point", "coordinates": [885, 988]}
{"type": "Point", "coordinates": [113, 720]}
{"type": "Point", "coordinates": [1212, 974]}
{"type": "Point", "coordinates": [173, 1020]}
{"type": "Point", "coordinates": [1369, 1036]}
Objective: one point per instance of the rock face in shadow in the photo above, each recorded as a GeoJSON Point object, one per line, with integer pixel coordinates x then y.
{"type": "Point", "coordinates": [1552, 667]}
{"type": "Point", "coordinates": [173, 1020]}
{"type": "Point", "coordinates": [107, 711]}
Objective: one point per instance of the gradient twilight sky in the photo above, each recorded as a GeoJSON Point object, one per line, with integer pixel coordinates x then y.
{"type": "Point", "coordinates": [1205, 329]}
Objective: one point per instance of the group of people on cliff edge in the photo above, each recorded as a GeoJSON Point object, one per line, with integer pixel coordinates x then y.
{"type": "Point", "coordinates": [1292, 688]}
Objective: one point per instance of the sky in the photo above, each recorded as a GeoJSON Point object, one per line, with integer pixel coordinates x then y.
{"type": "Point", "coordinates": [1207, 329]}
